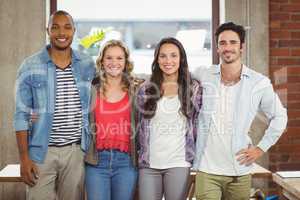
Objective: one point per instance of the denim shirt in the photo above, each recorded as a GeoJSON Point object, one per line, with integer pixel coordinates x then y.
{"type": "Point", "coordinates": [255, 94]}
{"type": "Point", "coordinates": [35, 93]}
{"type": "Point", "coordinates": [143, 126]}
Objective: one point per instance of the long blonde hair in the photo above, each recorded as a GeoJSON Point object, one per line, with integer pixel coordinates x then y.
{"type": "Point", "coordinates": [126, 76]}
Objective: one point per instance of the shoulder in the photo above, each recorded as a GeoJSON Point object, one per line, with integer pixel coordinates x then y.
{"type": "Point", "coordinates": [137, 82]}
{"type": "Point", "coordinates": [134, 85]}
{"type": "Point", "coordinates": [196, 89]}
{"type": "Point", "coordinates": [32, 62]}
{"type": "Point", "coordinates": [86, 60]}
{"type": "Point", "coordinates": [196, 86]}
{"type": "Point", "coordinates": [257, 78]}
{"type": "Point", "coordinates": [143, 87]}
{"type": "Point", "coordinates": [201, 73]}
{"type": "Point", "coordinates": [195, 83]}
{"type": "Point", "coordinates": [146, 84]}
{"type": "Point", "coordinates": [254, 74]}
{"type": "Point", "coordinates": [81, 55]}
{"type": "Point", "coordinates": [258, 81]}
{"type": "Point", "coordinates": [96, 81]}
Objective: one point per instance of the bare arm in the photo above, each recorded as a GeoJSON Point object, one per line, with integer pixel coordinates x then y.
{"type": "Point", "coordinates": [29, 172]}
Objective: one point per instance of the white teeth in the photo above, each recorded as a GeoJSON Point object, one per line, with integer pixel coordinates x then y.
{"type": "Point", "coordinates": [62, 39]}
{"type": "Point", "coordinates": [114, 67]}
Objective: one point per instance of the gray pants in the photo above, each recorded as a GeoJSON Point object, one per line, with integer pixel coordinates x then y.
{"type": "Point", "coordinates": [172, 183]}
{"type": "Point", "coordinates": [61, 175]}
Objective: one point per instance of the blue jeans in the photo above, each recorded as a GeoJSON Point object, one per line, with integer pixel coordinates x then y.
{"type": "Point", "coordinates": [114, 177]}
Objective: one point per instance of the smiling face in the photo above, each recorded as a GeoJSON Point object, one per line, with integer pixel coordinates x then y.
{"type": "Point", "coordinates": [113, 61]}
{"type": "Point", "coordinates": [229, 47]}
{"type": "Point", "coordinates": [169, 59]}
{"type": "Point", "coordinates": [61, 31]}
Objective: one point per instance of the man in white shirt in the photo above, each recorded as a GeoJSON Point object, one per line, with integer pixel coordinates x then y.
{"type": "Point", "coordinates": [232, 95]}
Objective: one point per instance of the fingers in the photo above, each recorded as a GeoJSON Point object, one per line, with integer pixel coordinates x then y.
{"type": "Point", "coordinates": [29, 173]}
{"type": "Point", "coordinates": [250, 161]}
{"type": "Point", "coordinates": [246, 158]}
{"type": "Point", "coordinates": [241, 157]}
{"type": "Point", "coordinates": [242, 151]}
{"type": "Point", "coordinates": [29, 179]}
{"type": "Point", "coordinates": [249, 155]}
{"type": "Point", "coordinates": [247, 150]}
{"type": "Point", "coordinates": [35, 171]}
{"type": "Point", "coordinates": [34, 117]}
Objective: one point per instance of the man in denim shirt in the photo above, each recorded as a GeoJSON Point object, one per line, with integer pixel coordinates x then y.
{"type": "Point", "coordinates": [232, 95]}
{"type": "Point", "coordinates": [54, 86]}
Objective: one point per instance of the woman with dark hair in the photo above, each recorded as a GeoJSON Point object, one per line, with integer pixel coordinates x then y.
{"type": "Point", "coordinates": [111, 158]}
{"type": "Point", "coordinates": [168, 107]}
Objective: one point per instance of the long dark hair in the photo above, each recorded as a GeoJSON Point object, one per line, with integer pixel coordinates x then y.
{"type": "Point", "coordinates": [154, 93]}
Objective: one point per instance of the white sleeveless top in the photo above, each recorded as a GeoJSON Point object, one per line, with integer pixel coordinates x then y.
{"type": "Point", "coordinates": [167, 135]}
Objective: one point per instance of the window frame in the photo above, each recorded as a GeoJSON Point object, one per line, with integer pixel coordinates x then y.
{"type": "Point", "coordinates": [215, 24]}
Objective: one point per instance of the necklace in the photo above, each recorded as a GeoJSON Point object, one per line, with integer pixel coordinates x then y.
{"type": "Point", "coordinates": [233, 79]}
{"type": "Point", "coordinates": [230, 82]}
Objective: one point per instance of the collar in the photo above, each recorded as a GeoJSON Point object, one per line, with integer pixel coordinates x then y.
{"type": "Point", "coordinates": [47, 58]}
{"type": "Point", "coordinates": [216, 69]}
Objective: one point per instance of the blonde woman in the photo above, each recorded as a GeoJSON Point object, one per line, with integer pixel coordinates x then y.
{"type": "Point", "coordinates": [110, 163]}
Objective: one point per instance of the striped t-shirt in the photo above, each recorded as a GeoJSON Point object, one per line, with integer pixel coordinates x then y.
{"type": "Point", "coordinates": [67, 120]}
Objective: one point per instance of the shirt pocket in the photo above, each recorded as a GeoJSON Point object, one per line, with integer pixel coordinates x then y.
{"type": "Point", "coordinates": [39, 93]}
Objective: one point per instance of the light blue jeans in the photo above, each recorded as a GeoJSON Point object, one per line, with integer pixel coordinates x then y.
{"type": "Point", "coordinates": [114, 177]}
